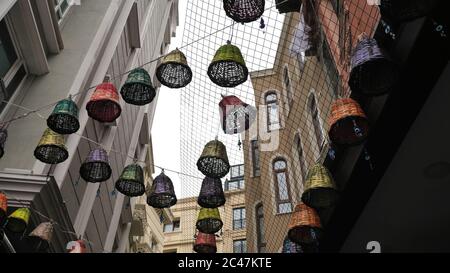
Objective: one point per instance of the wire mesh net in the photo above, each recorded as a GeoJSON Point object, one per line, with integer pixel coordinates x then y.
{"type": "Point", "coordinates": [299, 64]}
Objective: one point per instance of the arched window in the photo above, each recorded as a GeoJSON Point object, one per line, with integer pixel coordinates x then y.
{"type": "Point", "coordinates": [261, 241]}
{"type": "Point", "coordinates": [316, 122]}
{"type": "Point", "coordinates": [288, 85]}
{"type": "Point", "coordinates": [282, 191]}
{"type": "Point", "coordinates": [300, 156]}
{"type": "Point", "coordinates": [273, 113]}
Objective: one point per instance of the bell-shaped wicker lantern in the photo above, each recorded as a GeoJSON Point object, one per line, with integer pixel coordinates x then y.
{"type": "Point", "coordinates": [138, 89]}
{"type": "Point", "coordinates": [18, 220]}
{"type": "Point", "coordinates": [209, 221]}
{"type": "Point", "coordinates": [305, 226]}
{"type": "Point", "coordinates": [3, 208]}
{"type": "Point", "coordinates": [96, 167]}
{"type": "Point", "coordinates": [244, 11]}
{"type": "Point", "coordinates": [348, 123]}
{"type": "Point", "coordinates": [41, 236]}
{"type": "Point", "coordinates": [291, 247]}
{"type": "Point", "coordinates": [162, 193]}
{"type": "Point", "coordinates": [214, 160]}
{"type": "Point", "coordinates": [205, 243]}
{"type": "Point", "coordinates": [373, 73]}
{"type": "Point", "coordinates": [131, 181]}
{"type": "Point", "coordinates": [104, 104]}
{"type": "Point", "coordinates": [174, 71]}
{"type": "Point", "coordinates": [235, 115]}
{"type": "Point", "coordinates": [320, 189]}
{"type": "Point", "coordinates": [51, 148]}
{"type": "Point", "coordinates": [76, 246]}
{"type": "Point", "coordinates": [64, 119]}
{"type": "Point", "coordinates": [211, 193]}
{"type": "Point", "coordinates": [398, 11]}
{"type": "Point", "coordinates": [3, 137]}
{"type": "Point", "coordinates": [228, 67]}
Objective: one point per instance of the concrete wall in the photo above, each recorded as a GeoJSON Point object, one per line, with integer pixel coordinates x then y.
{"type": "Point", "coordinates": [186, 210]}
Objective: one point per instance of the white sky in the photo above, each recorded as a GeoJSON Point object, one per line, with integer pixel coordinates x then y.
{"type": "Point", "coordinates": [166, 125]}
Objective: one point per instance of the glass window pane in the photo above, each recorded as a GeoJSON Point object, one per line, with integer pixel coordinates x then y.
{"type": "Point", "coordinates": [168, 228]}
{"type": "Point", "coordinates": [280, 165]}
{"type": "Point", "coordinates": [8, 54]}
{"type": "Point", "coordinates": [285, 208]}
{"type": "Point", "coordinates": [282, 186]}
{"type": "Point", "coordinates": [271, 98]}
{"type": "Point", "coordinates": [176, 225]}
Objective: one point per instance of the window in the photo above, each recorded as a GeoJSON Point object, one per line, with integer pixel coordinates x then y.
{"type": "Point", "coordinates": [282, 186]}
{"type": "Point", "coordinates": [300, 156]}
{"type": "Point", "coordinates": [273, 115]}
{"type": "Point", "coordinates": [173, 227]}
{"type": "Point", "coordinates": [240, 246]}
{"type": "Point", "coordinates": [237, 171]}
{"type": "Point", "coordinates": [301, 59]}
{"type": "Point", "coordinates": [255, 157]}
{"type": "Point", "coordinates": [12, 71]}
{"type": "Point", "coordinates": [316, 123]}
{"type": "Point", "coordinates": [238, 184]}
{"type": "Point", "coordinates": [61, 8]}
{"type": "Point", "coordinates": [287, 85]}
{"type": "Point", "coordinates": [238, 218]}
{"type": "Point", "coordinates": [261, 241]}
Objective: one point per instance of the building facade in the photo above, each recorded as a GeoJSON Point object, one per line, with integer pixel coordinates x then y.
{"type": "Point", "coordinates": [294, 100]}
{"type": "Point", "coordinates": [51, 50]}
{"type": "Point", "coordinates": [179, 236]}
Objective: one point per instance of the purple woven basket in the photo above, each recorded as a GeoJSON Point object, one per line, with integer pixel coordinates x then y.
{"type": "Point", "coordinates": [373, 73]}
{"type": "Point", "coordinates": [211, 193]}
{"type": "Point", "coordinates": [96, 167]}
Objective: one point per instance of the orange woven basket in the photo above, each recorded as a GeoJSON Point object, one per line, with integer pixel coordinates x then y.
{"type": "Point", "coordinates": [348, 123]}
{"type": "Point", "coordinates": [305, 226]}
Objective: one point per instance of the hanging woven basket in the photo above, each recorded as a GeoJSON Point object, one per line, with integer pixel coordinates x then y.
{"type": "Point", "coordinates": [209, 221]}
{"type": "Point", "coordinates": [372, 73]}
{"type": "Point", "coordinates": [244, 11]}
{"type": "Point", "coordinates": [228, 67]}
{"type": "Point", "coordinates": [131, 182]}
{"type": "Point", "coordinates": [96, 167]}
{"type": "Point", "coordinates": [104, 105]}
{"type": "Point", "coordinates": [162, 193]}
{"type": "Point", "coordinates": [51, 148]}
{"type": "Point", "coordinates": [348, 123]}
{"type": "Point", "coordinates": [205, 243]}
{"type": "Point", "coordinates": [138, 89]}
{"type": "Point", "coordinates": [3, 208]}
{"type": "Point", "coordinates": [18, 220]}
{"type": "Point", "coordinates": [320, 190]}
{"type": "Point", "coordinates": [64, 119]}
{"type": "Point", "coordinates": [41, 237]}
{"type": "Point", "coordinates": [174, 71]}
{"type": "Point", "coordinates": [3, 137]}
{"type": "Point", "coordinates": [399, 11]}
{"type": "Point", "coordinates": [235, 115]}
{"type": "Point", "coordinates": [211, 193]}
{"type": "Point", "coordinates": [304, 227]}
{"type": "Point", "coordinates": [214, 160]}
